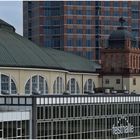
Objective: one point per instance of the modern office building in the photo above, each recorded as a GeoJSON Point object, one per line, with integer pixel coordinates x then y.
{"type": "Point", "coordinates": [80, 27]}
{"type": "Point", "coordinates": [70, 117]}
{"type": "Point", "coordinates": [49, 94]}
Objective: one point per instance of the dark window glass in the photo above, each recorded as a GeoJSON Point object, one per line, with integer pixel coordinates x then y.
{"type": "Point", "coordinates": [88, 31]}
{"type": "Point", "coordinates": [135, 33]}
{"type": "Point", "coordinates": [78, 2]}
{"type": "Point", "coordinates": [69, 12]}
{"type": "Point", "coordinates": [135, 15]}
{"type": "Point", "coordinates": [88, 43]}
{"type": "Point", "coordinates": [88, 21]}
{"type": "Point", "coordinates": [69, 30]}
{"type": "Point", "coordinates": [117, 81]}
{"type": "Point", "coordinates": [69, 21]}
{"type": "Point", "coordinates": [79, 42]}
{"type": "Point", "coordinates": [97, 54]}
{"type": "Point", "coordinates": [79, 12]}
{"type": "Point", "coordinates": [69, 2]}
{"type": "Point", "coordinates": [88, 3]}
{"type": "Point", "coordinates": [79, 21]}
{"type": "Point", "coordinates": [116, 13]}
{"type": "Point", "coordinates": [69, 42]}
{"type": "Point", "coordinates": [107, 3]}
{"type": "Point", "coordinates": [79, 31]}
{"type": "Point", "coordinates": [106, 81]}
{"type": "Point", "coordinates": [116, 3]}
{"type": "Point", "coordinates": [124, 3]}
{"type": "Point", "coordinates": [88, 12]}
{"type": "Point", "coordinates": [134, 81]}
{"type": "Point", "coordinates": [107, 13]}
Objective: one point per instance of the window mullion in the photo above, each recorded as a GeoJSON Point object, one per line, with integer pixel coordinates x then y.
{"type": "Point", "coordinates": [59, 85]}
{"type": "Point", "coordinates": [37, 82]}
{"type": "Point", "coordinates": [70, 85]}
{"type": "Point", "coordinates": [30, 85]}
{"type": "Point", "coordinates": [75, 86]}
{"type": "Point", "coordinates": [9, 84]}
{"type": "Point", "coordinates": [44, 91]}
{"type": "Point", "coordinates": [55, 87]}
{"type": "Point", "coordinates": [87, 85]}
{"type": "Point", "coordinates": [0, 82]}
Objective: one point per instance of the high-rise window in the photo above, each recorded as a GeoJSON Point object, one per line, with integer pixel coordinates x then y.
{"type": "Point", "coordinates": [88, 12]}
{"type": "Point", "coordinates": [70, 31]}
{"type": "Point", "coordinates": [135, 15]}
{"type": "Point", "coordinates": [79, 12]}
{"type": "Point", "coordinates": [79, 21]}
{"type": "Point", "coordinates": [107, 3]}
{"type": "Point", "coordinates": [116, 3]}
{"type": "Point", "coordinates": [107, 12]}
{"type": "Point", "coordinates": [69, 2]}
{"type": "Point", "coordinates": [79, 31]}
{"type": "Point", "coordinates": [79, 42]}
{"type": "Point", "coordinates": [69, 12]}
{"type": "Point", "coordinates": [88, 3]}
{"type": "Point", "coordinates": [88, 43]}
{"type": "Point", "coordinates": [78, 2]}
{"type": "Point", "coordinates": [88, 21]}
{"type": "Point", "coordinates": [124, 3]}
{"type": "Point", "coordinates": [88, 31]}
{"type": "Point", "coordinates": [69, 42]}
{"type": "Point", "coordinates": [69, 21]}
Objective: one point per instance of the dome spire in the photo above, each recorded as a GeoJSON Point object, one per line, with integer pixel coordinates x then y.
{"type": "Point", "coordinates": [122, 21]}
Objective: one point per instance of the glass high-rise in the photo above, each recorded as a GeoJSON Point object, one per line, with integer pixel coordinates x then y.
{"type": "Point", "coordinates": [77, 26]}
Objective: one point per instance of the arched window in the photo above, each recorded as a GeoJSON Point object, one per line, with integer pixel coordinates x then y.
{"type": "Point", "coordinates": [36, 85]}
{"type": "Point", "coordinates": [8, 86]}
{"type": "Point", "coordinates": [73, 86]}
{"type": "Point", "coordinates": [89, 85]}
{"type": "Point", "coordinates": [58, 86]}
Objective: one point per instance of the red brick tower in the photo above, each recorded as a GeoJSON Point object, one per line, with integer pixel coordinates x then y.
{"type": "Point", "coordinates": [122, 54]}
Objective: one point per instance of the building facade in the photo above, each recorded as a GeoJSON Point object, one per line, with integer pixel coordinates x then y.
{"type": "Point", "coordinates": [80, 27]}
{"type": "Point", "coordinates": [43, 70]}
{"type": "Point", "coordinates": [49, 94]}
{"type": "Point", "coordinates": [121, 60]}
{"type": "Point", "coordinates": [70, 117]}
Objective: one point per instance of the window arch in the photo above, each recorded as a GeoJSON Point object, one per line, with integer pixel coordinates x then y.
{"type": "Point", "coordinates": [36, 85]}
{"type": "Point", "coordinates": [89, 85]}
{"type": "Point", "coordinates": [58, 86]}
{"type": "Point", "coordinates": [73, 86]}
{"type": "Point", "coordinates": [8, 85]}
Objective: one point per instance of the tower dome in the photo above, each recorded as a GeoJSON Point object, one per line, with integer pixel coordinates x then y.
{"type": "Point", "coordinates": [117, 38]}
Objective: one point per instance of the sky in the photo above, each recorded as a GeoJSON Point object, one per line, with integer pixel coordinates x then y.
{"type": "Point", "coordinates": [11, 12]}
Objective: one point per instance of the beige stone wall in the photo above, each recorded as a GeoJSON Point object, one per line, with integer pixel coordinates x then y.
{"type": "Point", "coordinates": [21, 76]}
{"type": "Point", "coordinates": [124, 81]}
{"type": "Point", "coordinates": [135, 87]}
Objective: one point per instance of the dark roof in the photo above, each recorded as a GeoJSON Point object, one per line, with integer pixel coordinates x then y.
{"type": "Point", "coordinates": [17, 51]}
{"type": "Point", "coordinates": [121, 35]}
{"type": "Point", "coordinates": [117, 38]}
{"type": "Point", "coordinates": [7, 26]}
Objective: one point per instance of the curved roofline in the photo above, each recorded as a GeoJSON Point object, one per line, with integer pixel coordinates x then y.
{"type": "Point", "coordinates": [123, 34]}
{"type": "Point", "coordinates": [17, 51]}
{"type": "Point", "coordinates": [5, 24]}
{"type": "Point", "coordinates": [49, 68]}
